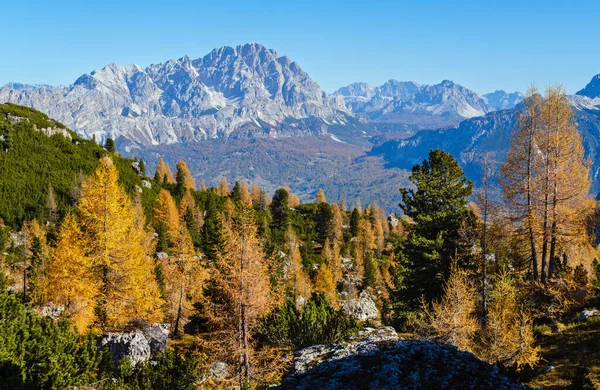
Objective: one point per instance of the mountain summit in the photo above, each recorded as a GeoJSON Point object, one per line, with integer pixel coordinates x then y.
{"type": "Point", "coordinates": [230, 91]}
{"type": "Point", "coordinates": [592, 90]}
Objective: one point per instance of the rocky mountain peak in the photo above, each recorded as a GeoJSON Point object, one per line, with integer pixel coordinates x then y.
{"type": "Point", "coordinates": [592, 90]}
{"type": "Point", "coordinates": [247, 88]}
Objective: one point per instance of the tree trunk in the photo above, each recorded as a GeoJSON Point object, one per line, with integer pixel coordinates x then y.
{"type": "Point", "coordinates": [178, 318]}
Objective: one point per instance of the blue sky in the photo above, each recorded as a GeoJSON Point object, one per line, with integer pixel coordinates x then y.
{"type": "Point", "coordinates": [484, 45]}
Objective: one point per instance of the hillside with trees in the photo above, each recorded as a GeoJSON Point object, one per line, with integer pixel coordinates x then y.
{"type": "Point", "coordinates": [94, 249]}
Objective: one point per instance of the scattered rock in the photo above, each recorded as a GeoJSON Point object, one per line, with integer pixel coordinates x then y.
{"type": "Point", "coordinates": [146, 183]}
{"type": "Point", "coordinates": [588, 313]}
{"type": "Point", "coordinates": [220, 370]}
{"type": "Point", "coordinates": [138, 345]}
{"type": "Point", "coordinates": [136, 167]}
{"type": "Point", "coordinates": [157, 336]}
{"type": "Point", "coordinates": [133, 345]}
{"type": "Point", "coordinates": [162, 255]}
{"type": "Point", "coordinates": [362, 309]}
{"type": "Point", "coordinates": [52, 311]}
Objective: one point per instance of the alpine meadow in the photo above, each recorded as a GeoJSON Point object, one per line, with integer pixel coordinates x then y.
{"type": "Point", "coordinates": [225, 222]}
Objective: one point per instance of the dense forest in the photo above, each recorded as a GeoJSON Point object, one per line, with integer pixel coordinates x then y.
{"type": "Point", "coordinates": [91, 244]}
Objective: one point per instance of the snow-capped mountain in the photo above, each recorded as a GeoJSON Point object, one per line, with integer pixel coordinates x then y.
{"type": "Point", "coordinates": [502, 100]}
{"type": "Point", "coordinates": [408, 103]}
{"type": "Point", "coordinates": [237, 91]}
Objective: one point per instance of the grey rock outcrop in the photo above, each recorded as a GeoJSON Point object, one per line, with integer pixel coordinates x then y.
{"type": "Point", "coordinates": [377, 359]}
{"type": "Point", "coordinates": [587, 314]}
{"type": "Point", "coordinates": [138, 345]}
{"type": "Point", "coordinates": [220, 370]}
{"type": "Point", "coordinates": [363, 308]}
{"type": "Point", "coordinates": [132, 345]}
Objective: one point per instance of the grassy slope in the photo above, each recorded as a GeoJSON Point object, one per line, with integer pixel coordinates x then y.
{"type": "Point", "coordinates": [574, 346]}
{"type": "Point", "coordinates": [34, 161]}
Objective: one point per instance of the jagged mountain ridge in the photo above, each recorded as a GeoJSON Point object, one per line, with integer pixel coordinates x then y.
{"type": "Point", "coordinates": [230, 91]}
{"type": "Point", "coordinates": [490, 136]}
{"type": "Point", "coordinates": [409, 103]}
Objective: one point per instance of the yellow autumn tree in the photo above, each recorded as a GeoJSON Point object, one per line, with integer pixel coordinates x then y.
{"type": "Point", "coordinates": [128, 289]}
{"type": "Point", "coordinates": [184, 276]}
{"type": "Point", "coordinates": [566, 180]}
{"type": "Point", "coordinates": [255, 194]}
{"type": "Point", "coordinates": [71, 281]}
{"type": "Point", "coordinates": [335, 228]}
{"type": "Point", "coordinates": [298, 282]}
{"type": "Point", "coordinates": [520, 172]}
{"type": "Point", "coordinates": [331, 255]}
{"type": "Point", "coordinates": [188, 180]}
{"type": "Point", "coordinates": [320, 197]}
{"type": "Point", "coordinates": [224, 187]}
{"type": "Point", "coordinates": [203, 186]}
{"type": "Point", "coordinates": [364, 246]}
{"type": "Point", "coordinates": [451, 319]}
{"type": "Point", "coordinates": [507, 337]}
{"type": "Point", "coordinates": [166, 214]}
{"type": "Point", "coordinates": [163, 171]}
{"type": "Point", "coordinates": [325, 283]}
{"type": "Point", "coordinates": [246, 197]}
{"type": "Point", "coordinates": [240, 293]}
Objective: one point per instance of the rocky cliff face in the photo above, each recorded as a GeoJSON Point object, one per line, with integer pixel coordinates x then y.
{"type": "Point", "coordinates": [408, 103]}
{"type": "Point", "coordinates": [237, 91]}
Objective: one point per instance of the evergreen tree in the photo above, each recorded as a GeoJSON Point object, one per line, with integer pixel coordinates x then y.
{"type": "Point", "coordinates": [354, 219]}
{"type": "Point", "coordinates": [109, 145]}
{"type": "Point", "coordinates": [438, 207]}
{"type": "Point", "coordinates": [142, 167]}
{"type": "Point", "coordinates": [280, 214]}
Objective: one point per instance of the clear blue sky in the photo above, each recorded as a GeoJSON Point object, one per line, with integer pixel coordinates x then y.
{"type": "Point", "coordinates": [483, 45]}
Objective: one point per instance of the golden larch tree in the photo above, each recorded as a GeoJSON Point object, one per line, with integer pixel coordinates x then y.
{"type": "Point", "coordinates": [190, 183]}
{"type": "Point", "coordinates": [128, 289]}
{"type": "Point", "coordinates": [241, 291]}
{"type": "Point", "coordinates": [566, 199]}
{"type": "Point", "coordinates": [325, 283]}
{"type": "Point", "coordinates": [520, 174]}
{"type": "Point", "coordinates": [298, 282]}
{"type": "Point", "coordinates": [163, 170]}
{"type": "Point", "coordinates": [71, 280]}
{"type": "Point", "coordinates": [507, 337]}
{"type": "Point", "coordinates": [224, 187]}
{"type": "Point", "coordinates": [320, 197]}
{"type": "Point", "coordinates": [184, 276]}
{"type": "Point", "coordinates": [167, 214]}
{"type": "Point", "coordinates": [246, 196]}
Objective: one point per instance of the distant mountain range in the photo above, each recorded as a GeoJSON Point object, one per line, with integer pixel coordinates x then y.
{"type": "Point", "coordinates": [238, 92]}
{"type": "Point", "coordinates": [490, 135]}
{"type": "Point", "coordinates": [224, 100]}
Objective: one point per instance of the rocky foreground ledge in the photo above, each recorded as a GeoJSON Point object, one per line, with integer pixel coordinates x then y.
{"type": "Point", "coordinates": [379, 359]}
